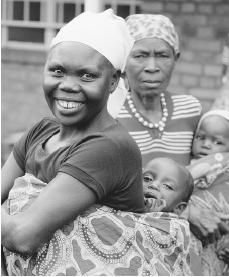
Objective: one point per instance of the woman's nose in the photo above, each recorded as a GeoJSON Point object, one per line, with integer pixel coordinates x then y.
{"type": "Point", "coordinates": [69, 84]}
{"type": "Point", "coordinates": [151, 65]}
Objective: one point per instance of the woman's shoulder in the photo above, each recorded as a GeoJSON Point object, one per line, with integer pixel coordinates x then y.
{"type": "Point", "coordinates": [184, 104]}
{"type": "Point", "coordinates": [185, 98]}
{"type": "Point", "coordinates": [45, 123]}
{"type": "Point", "coordinates": [41, 128]}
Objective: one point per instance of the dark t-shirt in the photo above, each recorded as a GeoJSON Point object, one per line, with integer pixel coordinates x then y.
{"type": "Point", "coordinates": [108, 162]}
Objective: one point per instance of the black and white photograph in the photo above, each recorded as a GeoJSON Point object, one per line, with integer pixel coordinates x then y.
{"type": "Point", "coordinates": [115, 137]}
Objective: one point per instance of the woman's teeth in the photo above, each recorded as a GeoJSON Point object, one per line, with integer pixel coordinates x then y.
{"type": "Point", "coordinates": [69, 104]}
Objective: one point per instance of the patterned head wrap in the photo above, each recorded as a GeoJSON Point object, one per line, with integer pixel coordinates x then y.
{"type": "Point", "coordinates": [105, 32]}
{"type": "Point", "coordinates": [153, 26]}
{"type": "Point", "coordinates": [222, 113]}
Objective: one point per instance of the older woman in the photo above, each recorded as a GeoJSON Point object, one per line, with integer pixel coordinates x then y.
{"type": "Point", "coordinates": [161, 124]}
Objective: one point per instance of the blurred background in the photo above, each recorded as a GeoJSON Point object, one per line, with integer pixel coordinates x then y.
{"type": "Point", "coordinates": [29, 25]}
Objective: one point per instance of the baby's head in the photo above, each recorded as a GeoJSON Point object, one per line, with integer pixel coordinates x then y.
{"type": "Point", "coordinates": [170, 183]}
{"type": "Point", "coordinates": [212, 134]}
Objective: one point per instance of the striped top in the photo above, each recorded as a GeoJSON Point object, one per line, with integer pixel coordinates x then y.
{"type": "Point", "coordinates": [175, 142]}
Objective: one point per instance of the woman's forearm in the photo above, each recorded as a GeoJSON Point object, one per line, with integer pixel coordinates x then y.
{"type": "Point", "coordinates": [14, 235]}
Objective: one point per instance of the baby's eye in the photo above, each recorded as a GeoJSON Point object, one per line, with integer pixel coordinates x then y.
{"type": "Point", "coordinates": [168, 186]}
{"type": "Point", "coordinates": [147, 179]}
{"type": "Point", "coordinates": [218, 142]}
{"type": "Point", "coordinates": [88, 77]}
{"type": "Point", "coordinates": [200, 137]}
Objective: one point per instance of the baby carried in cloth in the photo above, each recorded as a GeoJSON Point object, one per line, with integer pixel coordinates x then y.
{"type": "Point", "coordinates": [103, 241]}
{"type": "Point", "coordinates": [211, 178]}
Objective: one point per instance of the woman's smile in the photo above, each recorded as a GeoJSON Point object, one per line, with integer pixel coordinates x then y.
{"type": "Point", "coordinates": [66, 106]}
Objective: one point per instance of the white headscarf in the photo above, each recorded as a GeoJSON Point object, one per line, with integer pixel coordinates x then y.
{"type": "Point", "coordinates": [105, 32]}
{"type": "Point", "coordinates": [221, 113]}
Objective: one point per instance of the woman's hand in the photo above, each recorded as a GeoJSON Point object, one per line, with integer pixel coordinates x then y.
{"type": "Point", "coordinates": [207, 225]}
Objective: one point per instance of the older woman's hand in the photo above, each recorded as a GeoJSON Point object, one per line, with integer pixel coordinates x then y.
{"type": "Point", "coordinates": [207, 225]}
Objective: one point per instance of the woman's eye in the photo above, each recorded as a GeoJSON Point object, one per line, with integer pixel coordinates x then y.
{"type": "Point", "coordinates": [164, 56]}
{"type": "Point", "coordinates": [88, 77]}
{"type": "Point", "coordinates": [57, 71]}
{"type": "Point", "coordinates": [167, 186]}
{"type": "Point", "coordinates": [139, 56]}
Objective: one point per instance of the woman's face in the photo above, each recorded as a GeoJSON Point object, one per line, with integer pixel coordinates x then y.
{"type": "Point", "coordinates": [149, 66]}
{"type": "Point", "coordinates": [77, 83]}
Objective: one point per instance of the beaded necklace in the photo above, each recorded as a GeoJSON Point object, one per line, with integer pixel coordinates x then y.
{"type": "Point", "coordinates": [161, 124]}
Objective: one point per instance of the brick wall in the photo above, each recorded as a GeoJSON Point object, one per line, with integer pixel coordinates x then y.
{"type": "Point", "coordinates": [202, 26]}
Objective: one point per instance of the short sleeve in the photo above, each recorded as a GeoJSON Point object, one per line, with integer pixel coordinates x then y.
{"type": "Point", "coordinates": [29, 138]}
{"type": "Point", "coordinates": [97, 164]}
{"type": "Point", "coordinates": [19, 150]}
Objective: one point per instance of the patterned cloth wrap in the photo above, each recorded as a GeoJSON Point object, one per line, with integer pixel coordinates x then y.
{"type": "Point", "coordinates": [103, 241]}
{"type": "Point", "coordinates": [212, 192]}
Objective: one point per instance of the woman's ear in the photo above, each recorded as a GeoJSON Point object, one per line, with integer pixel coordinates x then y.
{"type": "Point", "coordinates": [180, 207]}
{"type": "Point", "coordinates": [115, 79]}
{"type": "Point", "coordinates": [177, 55]}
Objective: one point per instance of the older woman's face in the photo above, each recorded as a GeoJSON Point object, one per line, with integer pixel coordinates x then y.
{"type": "Point", "coordinates": [149, 66]}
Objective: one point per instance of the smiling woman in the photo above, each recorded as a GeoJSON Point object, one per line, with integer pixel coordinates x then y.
{"type": "Point", "coordinates": [75, 88]}
{"type": "Point", "coordinates": [82, 152]}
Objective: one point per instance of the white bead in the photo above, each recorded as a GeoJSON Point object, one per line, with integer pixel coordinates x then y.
{"type": "Point", "coordinates": [151, 125]}
{"type": "Point", "coordinates": [161, 124]}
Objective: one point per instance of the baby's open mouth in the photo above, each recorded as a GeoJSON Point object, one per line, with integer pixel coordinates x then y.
{"type": "Point", "coordinates": [154, 202]}
{"type": "Point", "coordinates": [150, 194]}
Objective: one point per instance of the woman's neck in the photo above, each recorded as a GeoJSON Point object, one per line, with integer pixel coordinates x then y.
{"type": "Point", "coordinates": [147, 103]}
{"type": "Point", "coordinates": [72, 133]}
{"type": "Point", "coordinates": [149, 106]}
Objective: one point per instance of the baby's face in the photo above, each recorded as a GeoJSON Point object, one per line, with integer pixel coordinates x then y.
{"type": "Point", "coordinates": [164, 180]}
{"type": "Point", "coordinates": [212, 137]}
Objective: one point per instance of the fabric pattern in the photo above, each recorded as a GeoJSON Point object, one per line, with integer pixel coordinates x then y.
{"type": "Point", "coordinates": [212, 192]}
{"type": "Point", "coordinates": [176, 141]}
{"type": "Point", "coordinates": [153, 26]}
{"type": "Point", "coordinates": [103, 241]}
